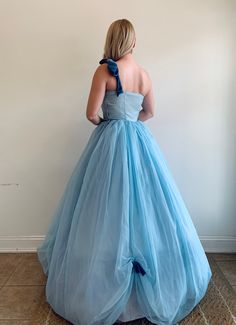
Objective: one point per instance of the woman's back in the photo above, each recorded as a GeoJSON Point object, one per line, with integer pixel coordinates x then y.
{"type": "Point", "coordinates": [133, 77]}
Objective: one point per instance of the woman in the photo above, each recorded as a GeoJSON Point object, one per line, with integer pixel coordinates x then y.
{"type": "Point", "coordinates": [122, 244]}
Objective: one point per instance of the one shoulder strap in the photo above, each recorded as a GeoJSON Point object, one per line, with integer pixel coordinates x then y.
{"type": "Point", "coordinates": [113, 69]}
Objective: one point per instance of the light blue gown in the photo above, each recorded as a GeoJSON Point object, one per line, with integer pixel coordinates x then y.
{"type": "Point", "coordinates": [121, 244]}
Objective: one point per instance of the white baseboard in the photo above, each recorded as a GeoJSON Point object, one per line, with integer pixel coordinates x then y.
{"type": "Point", "coordinates": [14, 244]}
{"type": "Point", "coordinates": [219, 244]}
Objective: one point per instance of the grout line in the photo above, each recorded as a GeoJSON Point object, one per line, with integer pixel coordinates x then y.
{"type": "Point", "coordinates": [18, 319]}
{"type": "Point", "coordinates": [203, 315]}
{"type": "Point", "coordinates": [225, 259]}
{"type": "Point", "coordinates": [225, 302]}
{"type": "Point", "coordinates": [23, 285]}
{"type": "Point", "coordinates": [10, 275]}
{"type": "Point", "coordinates": [231, 257]}
{"type": "Point", "coordinates": [221, 273]}
{"type": "Point", "coordinates": [48, 317]}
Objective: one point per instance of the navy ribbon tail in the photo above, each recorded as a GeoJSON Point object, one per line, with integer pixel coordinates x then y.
{"type": "Point", "coordinates": [138, 268]}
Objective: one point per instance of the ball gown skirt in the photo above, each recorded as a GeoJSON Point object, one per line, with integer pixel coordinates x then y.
{"type": "Point", "coordinates": [121, 244]}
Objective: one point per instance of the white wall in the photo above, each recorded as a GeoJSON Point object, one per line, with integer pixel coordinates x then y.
{"type": "Point", "coordinates": [49, 50]}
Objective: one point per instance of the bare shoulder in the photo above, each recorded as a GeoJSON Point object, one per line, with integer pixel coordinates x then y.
{"type": "Point", "coordinates": [144, 72]}
{"type": "Point", "coordinates": [100, 74]}
{"type": "Point", "coordinates": [101, 69]}
{"type": "Point", "coordinates": [145, 80]}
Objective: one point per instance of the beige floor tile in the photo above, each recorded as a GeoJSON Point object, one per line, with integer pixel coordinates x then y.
{"type": "Point", "coordinates": [30, 255]}
{"type": "Point", "coordinates": [15, 322]}
{"type": "Point", "coordinates": [28, 272]}
{"type": "Point", "coordinates": [223, 256]}
{"type": "Point", "coordinates": [19, 302]}
{"type": "Point", "coordinates": [8, 264]}
{"type": "Point", "coordinates": [229, 270]}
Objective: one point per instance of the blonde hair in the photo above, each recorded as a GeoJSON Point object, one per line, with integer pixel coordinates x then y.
{"type": "Point", "coordinates": [120, 39]}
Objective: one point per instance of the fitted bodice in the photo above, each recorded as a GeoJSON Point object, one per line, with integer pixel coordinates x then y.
{"type": "Point", "coordinates": [119, 104]}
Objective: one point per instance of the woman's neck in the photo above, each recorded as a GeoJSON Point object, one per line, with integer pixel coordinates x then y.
{"type": "Point", "coordinates": [127, 57]}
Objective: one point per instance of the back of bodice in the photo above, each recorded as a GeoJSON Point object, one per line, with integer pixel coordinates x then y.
{"type": "Point", "coordinates": [119, 104]}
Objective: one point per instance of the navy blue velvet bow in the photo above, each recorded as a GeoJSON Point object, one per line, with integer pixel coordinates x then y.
{"type": "Point", "coordinates": [113, 69]}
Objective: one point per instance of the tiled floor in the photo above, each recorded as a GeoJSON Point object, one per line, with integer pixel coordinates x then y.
{"type": "Point", "coordinates": [227, 264]}
{"type": "Point", "coordinates": [22, 284]}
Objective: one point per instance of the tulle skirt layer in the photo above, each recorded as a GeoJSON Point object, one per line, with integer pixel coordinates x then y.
{"type": "Point", "coordinates": [121, 244]}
